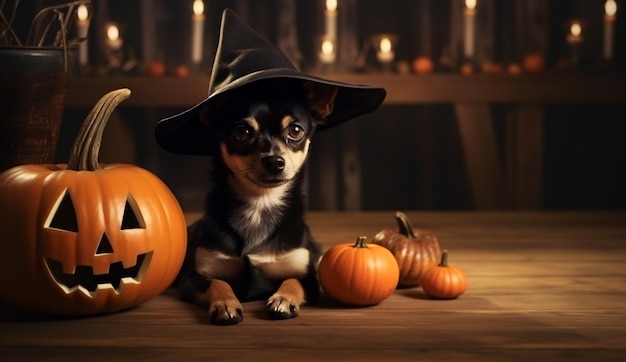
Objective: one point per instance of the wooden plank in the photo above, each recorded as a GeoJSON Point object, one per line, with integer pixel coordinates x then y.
{"type": "Point", "coordinates": [401, 89]}
{"type": "Point", "coordinates": [455, 88]}
{"type": "Point", "coordinates": [217, 353]}
{"type": "Point", "coordinates": [324, 172]}
{"type": "Point", "coordinates": [350, 175]}
{"type": "Point", "coordinates": [542, 285]}
{"type": "Point", "coordinates": [524, 155]}
{"type": "Point", "coordinates": [481, 154]}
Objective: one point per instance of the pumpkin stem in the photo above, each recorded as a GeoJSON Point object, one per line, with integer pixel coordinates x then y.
{"type": "Point", "coordinates": [86, 147]}
{"type": "Point", "coordinates": [360, 242]}
{"type": "Point", "coordinates": [444, 259]}
{"type": "Point", "coordinates": [404, 225]}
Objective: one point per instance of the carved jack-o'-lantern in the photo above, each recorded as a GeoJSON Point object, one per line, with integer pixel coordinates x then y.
{"type": "Point", "coordinates": [84, 238]}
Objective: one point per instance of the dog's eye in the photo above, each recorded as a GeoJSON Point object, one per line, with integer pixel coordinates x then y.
{"type": "Point", "coordinates": [242, 133]}
{"type": "Point", "coordinates": [295, 132]}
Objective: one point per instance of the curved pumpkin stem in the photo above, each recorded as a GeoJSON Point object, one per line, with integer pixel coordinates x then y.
{"type": "Point", "coordinates": [86, 147]}
{"type": "Point", "coordinates": [360, 242]}
{"type": "Point", "coordinates": [444, 259]}
{"type": "Point", "coordinates": [404, 225]}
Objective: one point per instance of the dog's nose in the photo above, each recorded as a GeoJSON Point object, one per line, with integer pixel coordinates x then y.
{"type": "Point", "coordinates": [274, 164]}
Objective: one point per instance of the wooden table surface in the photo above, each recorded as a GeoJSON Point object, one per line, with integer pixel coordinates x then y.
{"type": "Point", "coordinates": [549, 286]}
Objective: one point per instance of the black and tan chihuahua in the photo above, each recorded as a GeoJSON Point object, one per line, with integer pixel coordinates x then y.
{"type": "Point", "coordinates": [252, 241]}
{"type": "Point", "coordinates": [256, 125]}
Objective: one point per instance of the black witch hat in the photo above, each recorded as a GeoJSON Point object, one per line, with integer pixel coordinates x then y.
{"type": "Point", "coordinates": [243, 57]}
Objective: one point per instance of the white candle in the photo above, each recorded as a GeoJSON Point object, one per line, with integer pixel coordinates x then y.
{"type": "Point", "coordinates": [575, 33]}
{"type": "Point", "coordinates": [114, 41]}
{"type": "Point", "coordinates": [385, 52]}
{"type": "Point", "coordinates": [331, 20]}
{"type": "Point", "coordinates": [470, 25]}
{"type": "Point", "coordinates": [610, 9]}
{"type": "Point", "coordinates": [197, 31]}
{"type": "Point", "coordinates": [327, 52]}
{"type": "Point", "coordinates": [82, 26]}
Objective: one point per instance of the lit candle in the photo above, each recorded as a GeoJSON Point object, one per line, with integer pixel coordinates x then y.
{"type": "Point", "coordinates": [327, 52]}
{"type": "Point", "coordinates": [331, 20]}
{"type": "Point", "coordinates": [575, 33]}
{"type": "Point", "coordinates": [574, 38]}
{"type": "Point", "coordinates": [470, 25]}
{"type": "Point", "coordinates": [385, 52]}
{"type": "Point", "coordinates": [197, 31]}
{"type": "Point", "coordinates": [610, 9]}
{"type": "Point", "coordinates": [82, 26]}
{"type": "Point", "coordinates": [114, 41]}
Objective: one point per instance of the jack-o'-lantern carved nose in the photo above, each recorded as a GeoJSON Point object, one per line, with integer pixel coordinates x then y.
{"type": "Point", "coordinates": [104, 246]}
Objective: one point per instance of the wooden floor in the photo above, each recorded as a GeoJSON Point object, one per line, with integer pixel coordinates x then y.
{"type": "Point", "coordinates": [548, 286]}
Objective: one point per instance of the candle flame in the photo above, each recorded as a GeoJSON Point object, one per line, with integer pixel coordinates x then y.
{"type": "Point", "coordinates": [385, 45]}
{"type": "Point", "coordinates": [331, 5]}
{"type": "Point", "coordinates": [610, 7]}
{"type": "Point", "coordinates": [198, 7]}
{"type": "Point", "coordinates": [82, 12]}
{"type": "Point", "coordinates": [327, 47]}
{"type": "Point", "coordinates": [576, 29]}
{"type": "Point", "coordinates": [113, 32]}
{"type": "Point", "coordinates": [470, 4]}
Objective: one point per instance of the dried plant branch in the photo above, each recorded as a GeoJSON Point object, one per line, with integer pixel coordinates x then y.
{"type": "Point", "coordinates": [6, 25]}
{"type": "Point", "coordinates": [49, 28]}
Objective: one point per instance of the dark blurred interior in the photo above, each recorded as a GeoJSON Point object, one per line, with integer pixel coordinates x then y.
{"type": "Point", "coordinates": [410, 155]}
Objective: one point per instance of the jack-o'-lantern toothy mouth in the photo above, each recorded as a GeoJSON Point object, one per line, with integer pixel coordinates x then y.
{"type": "Point", "coordinates": [84, 280]}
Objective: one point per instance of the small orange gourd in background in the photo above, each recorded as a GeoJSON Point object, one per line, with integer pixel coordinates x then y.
{"type": "Point", "coordinates": [415, 250]}
{"type": "Point", "coordinates": [444, 281]}
{"type": "Point", "coordinates": [85, 238]}
{"type": "Point", "coordinates": [358, 274]}
{"type": "Point", "coordinates": [423, 65]}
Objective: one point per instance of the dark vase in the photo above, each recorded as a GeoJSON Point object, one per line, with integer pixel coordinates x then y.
{"type": "Point", "coordinates": [32, 89]}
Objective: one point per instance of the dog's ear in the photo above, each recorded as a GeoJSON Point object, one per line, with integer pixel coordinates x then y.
{"type": "Point", "coordinates": [203, 115]}
{"type": "Point", "coordinates": [321, 97]}
{"type": "Point", "coordinates": [210, 108]}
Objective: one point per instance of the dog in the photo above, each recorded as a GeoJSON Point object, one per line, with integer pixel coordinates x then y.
{"type": "Point", "coordinates": [257, 126]}
{"type": "Point", "coordinates": [252, 241]}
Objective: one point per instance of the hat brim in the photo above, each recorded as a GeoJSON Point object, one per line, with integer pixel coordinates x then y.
{"type": "Point", "coordinates": [185, 134]}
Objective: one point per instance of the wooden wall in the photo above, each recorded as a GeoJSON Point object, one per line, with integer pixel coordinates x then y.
{"type": "Point", "coordinates": [412, 156]}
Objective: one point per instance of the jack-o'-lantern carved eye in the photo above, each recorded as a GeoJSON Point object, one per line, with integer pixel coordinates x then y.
{"type": "Point", "coordinates": [132, 218]}
{"type": "Point", "coordinates": [63, 214]}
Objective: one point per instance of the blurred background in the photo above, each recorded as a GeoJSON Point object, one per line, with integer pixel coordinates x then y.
{"type": "Point", "coordinates": [516, 104]}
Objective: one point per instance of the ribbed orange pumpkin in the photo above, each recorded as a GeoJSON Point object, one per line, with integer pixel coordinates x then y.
{"type": "Point", "coordinates": [83, 238]}
{"type": "Point", "coordinates": [358, 274]}
{"type": "Point", "coordinates": [415, 250]}
{"type": "Point", "coordinates": [444, 281]}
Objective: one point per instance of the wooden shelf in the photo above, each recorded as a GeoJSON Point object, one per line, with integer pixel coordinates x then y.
{"type": "Point", "coordinates": [518, 185]}
{"type": "Point", "coordinates": [401, 89]}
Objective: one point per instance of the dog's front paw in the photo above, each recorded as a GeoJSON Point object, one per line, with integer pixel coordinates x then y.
{"type": "Point", "coordinates": [280, 307]}
{"type": "Point", "coordinates": [226, 312]}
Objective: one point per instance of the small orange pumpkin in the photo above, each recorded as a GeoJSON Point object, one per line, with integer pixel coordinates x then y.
{"type": "Point", "coordinates": [358, 274]}
{"type": "Point", "coordinates": [83, 238]}
{"type": "Point", "coordinates": [415, 250]}
{"type": "Point", "coordinates": [444, 281]}
{"type": "Point", "coordinates": [423, 65]}
{"type": "Point", "coordinates": [534, 63]}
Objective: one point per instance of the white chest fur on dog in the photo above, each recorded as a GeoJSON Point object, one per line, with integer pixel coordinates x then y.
{"type": "Point", "coordinates": [252, 219]}
{"type": "Point", "coordinates": [292, 264]}
{"type": "Point", "coordinates": [215, 265]}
